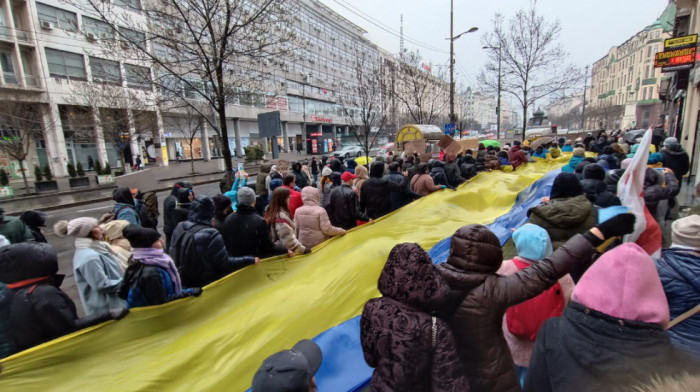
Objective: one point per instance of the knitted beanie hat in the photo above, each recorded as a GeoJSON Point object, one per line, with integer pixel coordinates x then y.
{"type": "Point", "coordinates": [140, 237]}
{"type": "Point", "coordinates": [686, 231]}
{"type": "Point", "coordinates": [78, 227]}
{"type": "Point", "coordinates": [246, 196]}
{"type": "Point", "coordinates": [579, 152]}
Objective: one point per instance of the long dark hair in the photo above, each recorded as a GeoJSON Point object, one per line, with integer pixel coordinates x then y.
{"type": "Point", "coordinates": [278, 202]}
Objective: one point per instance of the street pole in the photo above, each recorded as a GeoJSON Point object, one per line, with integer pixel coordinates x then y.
{"type": "Point", "coordinates": [452, 64]}
{"type": "Point", "coordinates": [583, 109]}
{"type": "Point", "coordinates": [498, 103]}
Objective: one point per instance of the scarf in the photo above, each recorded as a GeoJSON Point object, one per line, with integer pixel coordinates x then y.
{"type": "Point", "coordinates": [101, 247]}
{"type": "Point", "coordinates": [158, 258]}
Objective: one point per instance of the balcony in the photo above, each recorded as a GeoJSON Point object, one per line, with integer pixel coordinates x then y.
{"type": "Point", "coordinates": [31, 81]}
{"type": "Point", "coordinates": [5, 34]}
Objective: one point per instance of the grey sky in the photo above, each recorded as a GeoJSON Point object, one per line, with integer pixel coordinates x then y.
{"type": "Point", "coordinates": [589, 27]}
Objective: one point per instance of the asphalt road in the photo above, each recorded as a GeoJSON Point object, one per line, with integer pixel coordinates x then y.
{"type": "Point", "coordinates": [64, 245]}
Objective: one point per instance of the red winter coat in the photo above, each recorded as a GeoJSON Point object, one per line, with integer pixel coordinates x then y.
{"type": "Point", "coordinates": [516, 156]}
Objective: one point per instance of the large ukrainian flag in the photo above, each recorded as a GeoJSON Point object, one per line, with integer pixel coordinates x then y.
{"type": "Point", "coordinates": [216, 342]}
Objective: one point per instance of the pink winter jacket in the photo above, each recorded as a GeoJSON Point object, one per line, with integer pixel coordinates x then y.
{"type": "Point", "coordinates": [521, 348]}
{"type": "Point", "coordinates": [311, 220]}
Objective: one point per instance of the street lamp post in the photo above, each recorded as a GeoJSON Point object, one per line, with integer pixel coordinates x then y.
{"type": "Point", "coordinates": [498, 99]}
{"type": "Point", "coordinates": [452, 61]}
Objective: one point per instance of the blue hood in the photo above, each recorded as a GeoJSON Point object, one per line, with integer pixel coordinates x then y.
{"type": "Point", "coordinates": [532, 242]}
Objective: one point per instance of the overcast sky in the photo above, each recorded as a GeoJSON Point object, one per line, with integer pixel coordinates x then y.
{"type": "Point", "coordinates": [589, 27]}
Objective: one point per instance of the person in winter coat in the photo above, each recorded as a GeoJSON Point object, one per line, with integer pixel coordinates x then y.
{"type": "Point", "coordinates": [410, 349]}
{"type": "Point", "coordinates": [610, 160]}
{"type": "Point", "coordinates": [400, 199]}
{"type": "Point", "coordinates": [152, 277]}
{"type": "Point", "coordinates": [659, 186]}
{"type": "Point", "coordinates": [125, 206]}
{"type": "Point", "coordinates": [422, 183]}
{"type": "Point", "coordinates": [566, 212]}
{"type": "Point", "coordinates": [679, 270]}
{"type": "Point", "coordinates": [491, 161]}
{"type": "Point", "coordinates": [198, 249]}
{"type": "Point", "coordinates": [576, 158]}
{"type": "Point", "coordinates": [112, 233]}
{"type": "Point", "coordinates": [222, 209]}
{"type": "Point", "coordinates": [325, 187]}
{"type": "Point", "coordinates": [554, 150]}
{"type": "Point", "coordinates": [270, 176]}
{"type": "Point", "coordinates": [37, 309]}
{"type": "Point", "coordinates": [336, 165]}
{"type": "Point", "coordinates": [344, 207]}
{"type": "Point", "coordinates": [182, 207]}
{"type": "Point", "coordinates": [454, 175]}
{"type": "Point", "coordinates": [594, 187]}
{"type": "Point", "coordinates": [516, 155]}
{"type": "Point", "coordinates": [169, 205]}
{"type": "Point", "coordinates": [246, 233]}
{"type": "Point", "coordinates": [311, 220]}
{"type": "Point", "coordinates": [567, 147]}
{"type": "Point", "coordinates": [611, 336]}
{"type": "Point", "coordinates": [300, 178]}
{"type": "Point", "coordinates": [149, 210]}
{"type": "Point", "coordinates": [281, 223]}
{"type": "Point", "coordinates": [315, 170]}
{"type": "Point", "coordinates": [35, 220]}
{"type": "Point", "coordinates": [240, 182]}
{"type": "Point", "coordinates": [295, 196]}
{"type": "Point", "coordinates": [481, 296]}
{"type": "Point", "coordinates": [362, 175]}
{"type": "Point", "coordinates": [96, 267]}
{"type": "Point", "coordinates": [13, 229]}
{"type": "Point", "coordinates": [533, 244]}
{"type": "Point", "coordinates": [375, 196]}
{"type": "Point", "coordinates": [438, 174]}
{"type": "Point", "coordinates": [675, 158]}
{"type": "Point", "coordinates": [352, 165]}
{"type": "Point", "coordinates": [261, 185]}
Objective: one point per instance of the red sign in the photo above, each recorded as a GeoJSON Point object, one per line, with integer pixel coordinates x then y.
{"type": "Point", "coordinates": [314, 146]}
{"type": "Point", "coordinates": [276, 103]}
{"type": "Point", "coordinates": [316, 134]}
{"type": "Point", "coordinates": [321, 119]}
{"type": "Point", "coordinates": [426, 67]}
{"type": "Point", "coordinates": [675, 60]}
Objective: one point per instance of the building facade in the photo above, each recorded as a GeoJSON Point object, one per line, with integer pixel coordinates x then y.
{"type": "Point", "coordinates": [625, 84]}
{"type": "Point", "coordinates": [97, 103]}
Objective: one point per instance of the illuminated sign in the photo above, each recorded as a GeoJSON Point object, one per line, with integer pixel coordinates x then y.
{"type": "Point", "coordinates": [675, 60]}
{"type": "Point", "coordinates": [681, 42]}
{"type": "Point", "coordinates": [316, 134]}
{"type": "Point", "coordinates": [321, 119]}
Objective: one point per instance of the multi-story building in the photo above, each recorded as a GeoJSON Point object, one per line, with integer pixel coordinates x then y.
{"type": "Point", "coordinates": [625, 84]}
{"type": "Point", "coordinates": [485, 110]}
{"type": "Point", "coordinates": [98, 103]}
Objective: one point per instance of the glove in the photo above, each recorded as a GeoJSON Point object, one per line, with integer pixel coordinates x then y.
{"type": "Point", "coordinates": [307, 251]}
{"type": "Point", "coordinates": [118, 314]}
{"type": "Point", "coordinates": [196, 291]}
{"type": "Point", "coordinates": [617, 226]}
{"type": "Point", "coordinates": [443, 186]}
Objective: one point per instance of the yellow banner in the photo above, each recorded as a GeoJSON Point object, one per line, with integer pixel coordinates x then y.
{"type": "Point", "coordinates": [216, 342]}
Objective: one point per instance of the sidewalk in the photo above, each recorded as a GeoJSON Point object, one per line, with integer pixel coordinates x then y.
{"type": "Point", "coordinates": [151, 178]}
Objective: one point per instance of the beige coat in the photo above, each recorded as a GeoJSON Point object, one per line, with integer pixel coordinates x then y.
{"type": "Point", "coordinates": [311, 220]}
{"type": "Point", "coordinates": [283, 232]}
{"type": "Point", "coordinates": [423, 184]}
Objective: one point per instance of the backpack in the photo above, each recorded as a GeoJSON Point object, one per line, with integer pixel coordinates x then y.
{"type": "Point", "coordinates": [468, 170]}
{"type": "Point", "coordinates": [111, 215]}
{"type": "Point", "coordinates": [6, 341]}
{"type": "Point", "coordinates": [186, 260]}
{"type": "Point", "coordinates": [524, 320]}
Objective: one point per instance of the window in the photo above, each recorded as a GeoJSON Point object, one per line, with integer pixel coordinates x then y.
{"type": "Point", "coordinates": [132, 5]}
{"type": "Point", "coordinates": [61, 18]}
{"type": "Point", "coordinates": [137, 77]}
{"type": "Point", "coordinates": [649, 51]}
{"type": "Point", "coordinates": [105, 71]}
{"type": "Point", "coordinates": [134, 37]}
{"type": "Point", "coordinates": [8, 70]}
{"type": "Point", "coordinates": [65, 64]}
{"type": "Point", "coordinates": [98, 28]}
{"type": "Point", "coordinates": [644, 96]}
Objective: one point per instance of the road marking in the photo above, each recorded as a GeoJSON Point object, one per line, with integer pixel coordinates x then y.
{"type": "Point", "coordinates": [93, 209]}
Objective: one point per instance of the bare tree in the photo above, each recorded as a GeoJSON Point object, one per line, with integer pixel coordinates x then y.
{"type": "Point", "coordinates": [367, 106]}
{"type": "Point", "coordinates": [21, 124]}
{"type": "Point", "coordinates": [604, 114]}
{"type": "Point", "coordinates": [415, 91]}
{"type": "Point", "coordinates": [189, 123]}
{"type": "Point", "coordinates": [532, 61]}
{"type": "Point", "coordinates": [207, 50]}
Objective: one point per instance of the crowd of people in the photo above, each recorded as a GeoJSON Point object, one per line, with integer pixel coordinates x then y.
{"type": "Point", "coordinates": [572, 310]}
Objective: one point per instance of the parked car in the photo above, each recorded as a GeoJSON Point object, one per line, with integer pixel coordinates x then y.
{"type": "Point", "coordinates": [384, 150]}
{"type": "Point", "coordinates": [349, 151]}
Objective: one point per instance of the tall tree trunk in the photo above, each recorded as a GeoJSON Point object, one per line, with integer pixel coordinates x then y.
{"type": "Point", "coordinates": [221, 111]}
{"type": "Point", "coordinates": [24, 177]}
{"type": "Point", "coordinates": [192, 155]}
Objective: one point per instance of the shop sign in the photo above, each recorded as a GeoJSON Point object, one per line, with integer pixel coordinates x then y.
{"type": "Point", "coordinates": [316, 134]}
{"type": "Point", "coordinates": [679, 54]}
{"type": "Point", "coordinates": [321, 119]}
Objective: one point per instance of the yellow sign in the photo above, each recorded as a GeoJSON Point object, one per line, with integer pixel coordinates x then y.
{"type": "Point", "coordinates": [677, 42]}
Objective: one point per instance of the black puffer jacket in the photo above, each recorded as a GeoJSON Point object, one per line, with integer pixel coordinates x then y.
{"type": "Point", "coordinates": [400, 199]}
{"type": "Point", "coordinates": [300, 178]}
{"type": "Point", "coordinates": [598, 194]}
{"type": "Point", "coordinates": [438, 173]}
{"type": "Point", "coordinates": [656, 190]}
{"type": "Point", "coordinates": [454, 174]}
{"type": "Point", "coordinates": [246, 233]}
{"type": "Point", "coordinates": [344, 209]}
{"type": "Point", "coordinates": [204, 258]}
{"type": "Point", "coordinates": [182, 207]}
{"type": "Point", "coordinates": [169, 205]}
{"type": "Point", "coordinates": [38, 311]}
{"type": "Point", "coordinates": [676, 159]}
{"type": "Point", "coordinates": [481, 298]}
{"type": "Point", "coordinates": [149, 210]}
{"type": "Point", "coordinates": [375, 195]}
{"type": "Point", "coordinates": [35, 220]}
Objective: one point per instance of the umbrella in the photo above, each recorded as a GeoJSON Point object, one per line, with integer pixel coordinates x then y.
{"type": "Point", "coordinates": [489, 142]}
{"type": "Point", "coordinates": [633, 135]}
{"type": "Point", "coordinates": [362, 160]}
{"type": "Point", "coordinates": [541, 141]}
